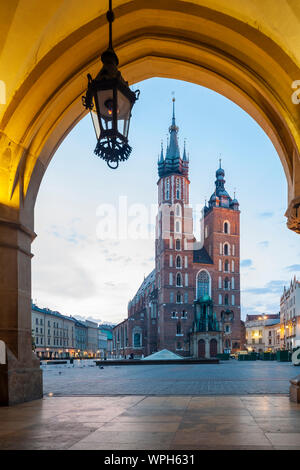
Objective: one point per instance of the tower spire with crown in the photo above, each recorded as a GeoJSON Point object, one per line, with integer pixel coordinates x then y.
{"type": "Point", "coordinates": [172, 162]}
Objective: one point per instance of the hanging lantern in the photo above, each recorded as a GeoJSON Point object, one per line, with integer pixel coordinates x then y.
{"type": "Point", "coordinates": [110, 100]}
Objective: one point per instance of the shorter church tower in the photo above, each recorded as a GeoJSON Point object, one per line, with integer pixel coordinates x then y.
{"type": "Point", "coordinates": [221, 240]}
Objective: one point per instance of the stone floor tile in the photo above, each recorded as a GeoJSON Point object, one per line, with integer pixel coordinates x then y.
{"type": "Point", "coordinates": [284, 439]}
{"type": "Point", "coordinates": [216, 438]}
{"type": "Point", "coordinates": [140, 427]}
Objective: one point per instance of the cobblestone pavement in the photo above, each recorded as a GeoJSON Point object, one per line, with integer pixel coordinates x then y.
{"type": "Point", "coordinates": [227, 378]}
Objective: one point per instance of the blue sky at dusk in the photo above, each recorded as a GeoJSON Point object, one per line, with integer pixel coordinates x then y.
{"type": "Point", "coordinates": [77, 273]}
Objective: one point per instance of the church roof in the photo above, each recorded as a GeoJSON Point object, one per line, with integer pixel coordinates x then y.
{"type": "Point", "coordinates": [201, 256]}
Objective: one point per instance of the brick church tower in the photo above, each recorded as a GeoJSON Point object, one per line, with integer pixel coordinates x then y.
{"type": "Point", "coordinates": [174, 237]}
{"type": "Point", "coordinates": [190, 302]}
{"type": "Point", "coordinates": [220, 227]}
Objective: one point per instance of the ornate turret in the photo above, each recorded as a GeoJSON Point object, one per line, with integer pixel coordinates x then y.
{"type": "Point", "coordinates": [173, 163]}
{"type": "Point", "coordinates": [220, 197]}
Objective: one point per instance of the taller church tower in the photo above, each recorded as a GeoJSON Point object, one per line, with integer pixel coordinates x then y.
{"type": "Point", "coordinates": [174, 236]}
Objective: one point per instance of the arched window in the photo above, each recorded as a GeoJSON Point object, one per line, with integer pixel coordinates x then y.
{"type": "Point", "coordinates": [226, 249]}
{"type": "Point", "coordinates": [177, 226]}
{"type": "Point", "coordinates": [202, 284]}
{"type": "Point", "coordinates": [178, 280]}
{"type": "Point", "coordinates": [179, 298]}
{"type": "Point", "coordinates": [177, 244]}
{"type": "Point", "coordinates": [178, 210]}
{"type": "Point", "coordinates": [226, 227]}
{"type": "Point", "coordinates": [220, 265]}
{"type": "Point", "coordinates": [226, 266]}
{"type": "Point", "coordinates": [178, 262]}
{"type": "Point", "coordinates": [178, 328]}
{"type": "Point", "coordinates": [226, 299]}
{"type": "Point", "coordinates": [136, 340]}
{"type": "Point", "coordinates": [226, 283]}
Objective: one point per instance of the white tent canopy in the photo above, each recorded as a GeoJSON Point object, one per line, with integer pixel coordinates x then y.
{"type": "Point", "coordinates": [164, 354]}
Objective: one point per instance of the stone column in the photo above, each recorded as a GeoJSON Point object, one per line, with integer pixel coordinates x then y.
{"type": "Point", "coordinates": [207, 349]}
{"type": "Point", "coordinates": [295, 389]}
{"type": "Point", "coordinates": [20, 376]}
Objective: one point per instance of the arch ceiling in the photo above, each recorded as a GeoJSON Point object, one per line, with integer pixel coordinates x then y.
{"type": "Point", "coordinates": [248, 51]}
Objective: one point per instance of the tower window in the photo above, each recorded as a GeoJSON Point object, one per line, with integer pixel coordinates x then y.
{"type": "Point", "coordinates": [177, 244]}
{"type": "Point", "coordinates": [177, 226]}
{"type": "Point", "coordinates": [167, 189]}
{"type": "Point", "coordinates": [179, 298]}
{"type": "Point", "coordinates": [178, 328]}
{"type": "Point", "coordinates": [226, 227]}
{"type": "Point", "coordinates": [226, 266]}
{"type": "Point", "coordinates": [178, 189]}
{"type": "Point", "coordinates": [178, 280]}
{"type": "Point", "coordinates": [178, 210]}
{"type": "Point", "coordinates": [178, 262]}
{"type": "Point", "coordinates": [226, 299]}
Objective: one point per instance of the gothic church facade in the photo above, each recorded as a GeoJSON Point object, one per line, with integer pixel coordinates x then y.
{"type": "Point", "coordinates": [190, 302]}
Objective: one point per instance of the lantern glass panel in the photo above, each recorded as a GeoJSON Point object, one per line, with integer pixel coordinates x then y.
{"type": "Point", "coordinates": [124, 111]}
{"type": "Point", "coordinates": [96, 123]}
{"type": "Point", "coordinates": [105, 103]}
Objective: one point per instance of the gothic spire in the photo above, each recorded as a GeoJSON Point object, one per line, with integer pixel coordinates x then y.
{"type": "Point", "coordinates": [172, 162]}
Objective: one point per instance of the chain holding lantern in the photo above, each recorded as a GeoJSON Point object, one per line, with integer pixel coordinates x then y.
{"type": "Point", "coordinates": [110, 101]}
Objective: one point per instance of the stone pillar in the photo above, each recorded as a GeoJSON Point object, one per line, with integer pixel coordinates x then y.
{"type": "Point", "coordinates": [207, 349]}
{"type": "Point", "coordinates": [20, 375]}
{"type": "Point", "coordinates": [295, 389]}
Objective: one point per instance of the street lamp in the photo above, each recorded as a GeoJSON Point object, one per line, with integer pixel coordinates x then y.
{"type": "Point", "coordinates": [110, 100]}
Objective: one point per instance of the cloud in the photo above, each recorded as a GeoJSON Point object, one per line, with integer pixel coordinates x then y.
{"type": "Point", "coordinates": [257, 290]}
{"type": "Point", "coordinates": [264, 244]}
{"type": "Point", "coordinates": [246, 263]}
{"type": "Point", "coordinates": [272, 287]}
{"type": "Point", "coordinates": [266, 215]}
{"type": "Point", "coordinates": [293, 267]}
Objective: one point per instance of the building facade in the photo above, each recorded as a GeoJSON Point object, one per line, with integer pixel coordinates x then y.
{"type": "Point", "coordinates": [263, 332]}
{"type": "Point", "coordinates": [53, 333]}
{"type": "Point", "coordinates": [290, 316]}
{"type": "Point", "coordinates": [191, 279]}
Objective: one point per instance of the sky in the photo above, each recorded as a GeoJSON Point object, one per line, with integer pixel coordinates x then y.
{"type": "Point", "coordinates": [89, 264]}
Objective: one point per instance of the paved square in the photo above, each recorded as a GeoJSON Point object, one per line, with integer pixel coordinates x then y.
{"type": "Point", "coordinates": [227, 378]}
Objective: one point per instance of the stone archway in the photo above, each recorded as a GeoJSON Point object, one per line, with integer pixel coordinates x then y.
{"type": "Point", "coordinates": [245, 54]}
